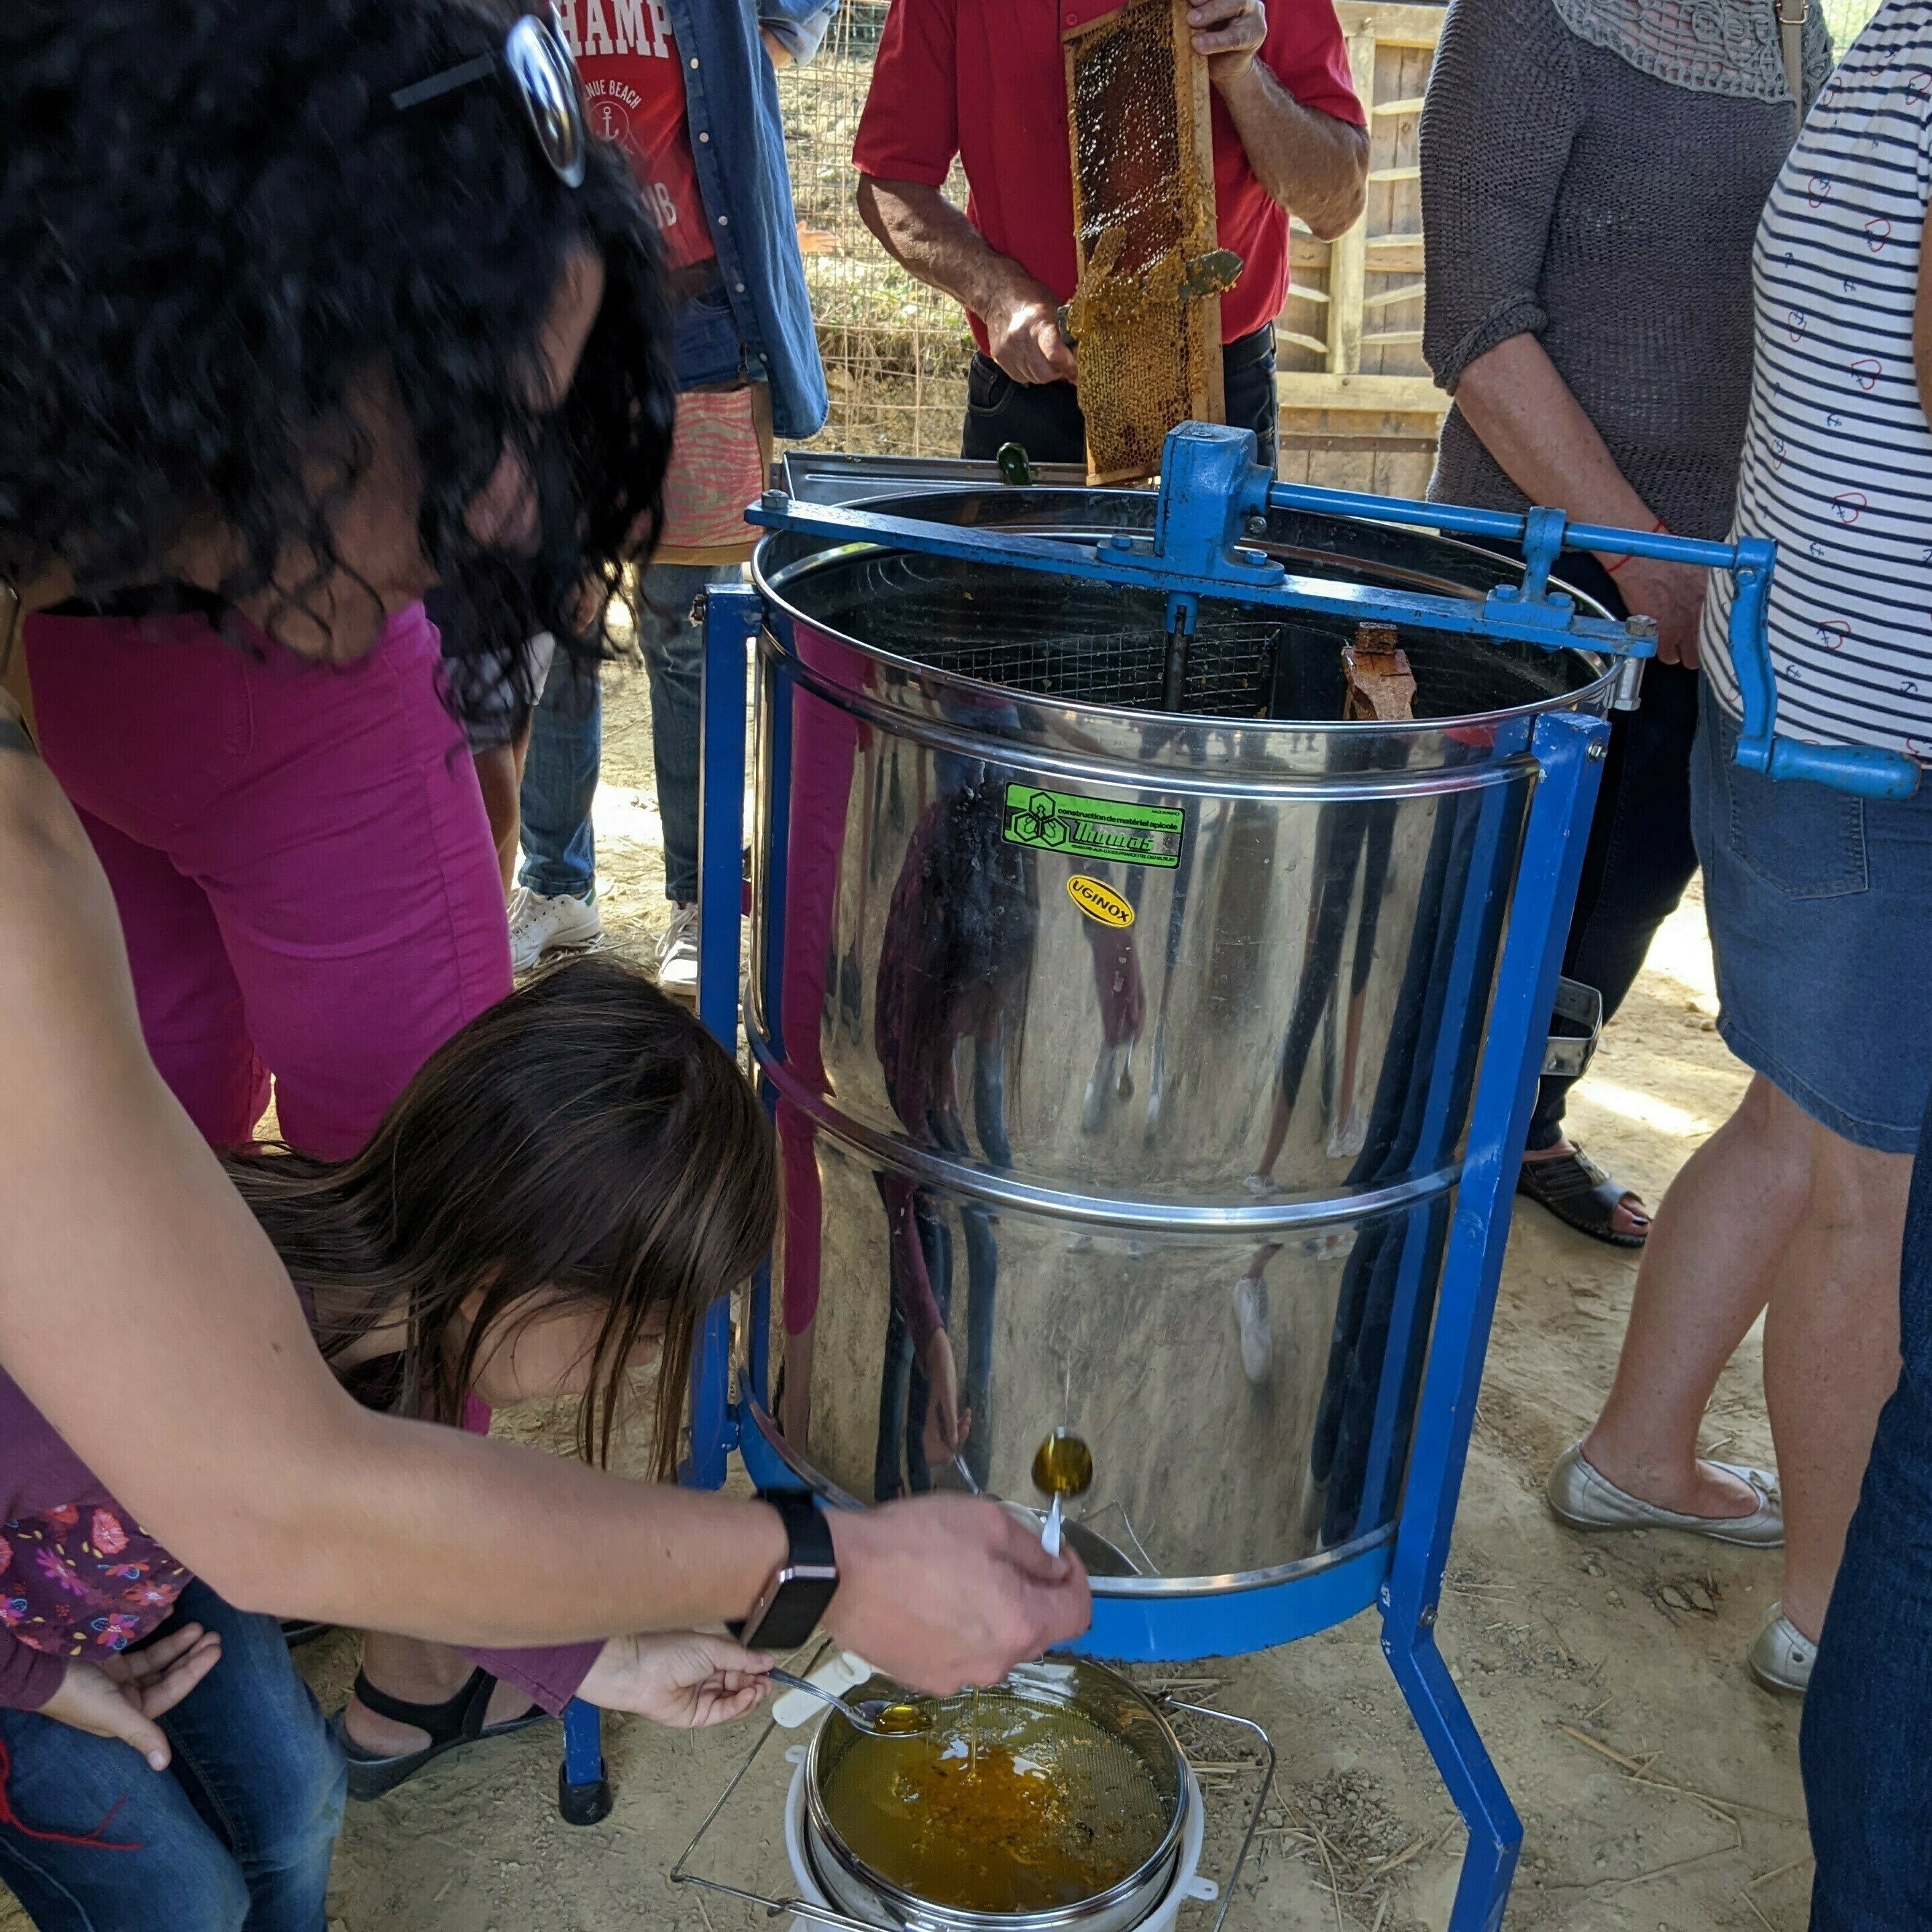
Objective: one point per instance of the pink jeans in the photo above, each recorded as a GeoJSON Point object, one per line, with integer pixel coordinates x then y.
{"type": "Point", "coordinates": [300, 856]}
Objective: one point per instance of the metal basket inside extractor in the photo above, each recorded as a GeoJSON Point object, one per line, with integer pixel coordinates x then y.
{"type": "Point", "coordinates": [1085, 643]}
{"type": "Point", "coordinates": [1063, 1788]}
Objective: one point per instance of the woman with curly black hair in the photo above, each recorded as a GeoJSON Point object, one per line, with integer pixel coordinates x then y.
{"type": "Point", "coordinates": [304, 871]}
{"type": "Point", "coordinates": [306, 305]}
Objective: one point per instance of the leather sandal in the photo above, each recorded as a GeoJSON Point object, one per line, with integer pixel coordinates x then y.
{"type": "Point", "coordinates": [1581, 1195]}
{"type": "Point", "coordinates": [457, 1721]}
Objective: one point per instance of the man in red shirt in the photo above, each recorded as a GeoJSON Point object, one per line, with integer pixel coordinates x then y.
{"type": "Point", "coordinates": [986, 80]}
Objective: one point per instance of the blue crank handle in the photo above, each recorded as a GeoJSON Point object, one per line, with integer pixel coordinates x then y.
{"type": "Point", "coordinates": [1861, 769]}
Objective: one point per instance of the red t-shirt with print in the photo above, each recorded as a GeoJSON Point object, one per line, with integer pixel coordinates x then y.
{"type": "Point", "coordinates": [986, 81]}
{"type": "Point", "coordinates": [633, 93]}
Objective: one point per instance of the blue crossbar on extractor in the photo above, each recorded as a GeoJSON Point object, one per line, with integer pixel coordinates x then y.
{"type": "Point", "coordinates": [1214, 500]}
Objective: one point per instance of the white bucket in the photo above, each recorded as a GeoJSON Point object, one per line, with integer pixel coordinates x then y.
{"type": "Point", "coordinates": [1186, 1885]}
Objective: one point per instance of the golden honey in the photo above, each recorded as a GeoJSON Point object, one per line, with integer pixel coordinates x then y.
{"type": "Point", "coordinates": [1004, 1804]}
{"type": "Point", "coordinates": [1062, 1465]}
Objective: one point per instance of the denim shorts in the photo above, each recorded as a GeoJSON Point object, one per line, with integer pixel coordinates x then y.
{"type": "Point", "coordinates": [1820, 912]}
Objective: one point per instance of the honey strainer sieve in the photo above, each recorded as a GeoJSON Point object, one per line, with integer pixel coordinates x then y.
{"type": "Point", "coordinates": [1056, 1800]}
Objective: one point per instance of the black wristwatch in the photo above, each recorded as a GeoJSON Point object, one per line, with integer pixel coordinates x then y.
{"type": "Point", "coordinates": [791, 1605]}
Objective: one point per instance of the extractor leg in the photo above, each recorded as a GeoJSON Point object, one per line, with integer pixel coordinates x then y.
{"type": "Point", "coordinates": [583, 1791]}
{"type": "Point", "coordinates": [1496, 1833]}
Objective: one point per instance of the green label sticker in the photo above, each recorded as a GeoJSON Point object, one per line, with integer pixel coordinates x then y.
{"type": "Point", "coordinates": [1094, 828]}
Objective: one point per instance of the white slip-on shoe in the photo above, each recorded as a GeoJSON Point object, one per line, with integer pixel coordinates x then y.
{"type": "Point", "coordinates": [1781, 1655]}
{"type": "Point", "coordinates": [1584, 1499]}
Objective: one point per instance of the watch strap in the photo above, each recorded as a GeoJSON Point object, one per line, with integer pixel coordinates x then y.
{"type": "Point", "coordinates": [808, 1534]}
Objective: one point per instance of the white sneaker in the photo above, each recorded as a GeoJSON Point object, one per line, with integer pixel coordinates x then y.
{"type": "Point", "coordinates": [677, 955]}
{"type": "Point", "coordinates": [540, 926]}
{"type": "Point", "coordinates": [1781, 1655]}
{"type": "Point", "coordinates": [1251, 1315]}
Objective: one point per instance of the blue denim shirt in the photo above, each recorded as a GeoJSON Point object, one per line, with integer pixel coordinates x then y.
{"type": "Point", "coordinates": [760, 323]}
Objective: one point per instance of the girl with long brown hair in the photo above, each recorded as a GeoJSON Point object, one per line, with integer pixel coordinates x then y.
{"type": "Point", "coordinates": [550, 1206]}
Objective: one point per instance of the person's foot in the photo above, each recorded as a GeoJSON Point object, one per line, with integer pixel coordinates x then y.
{"type": "Point", "coordinates": [387, 1740]}
{"type": "Point", "coordinates": [677, 955]}
{"type": "Point", "coordinates": [1251, 1317]}
{"type": "Point", "coordinates": [1781, 1655]}
{"type": "Point", "coordinates": [540, 925]}
{"type": "Point", "coordinates": [385, 1737]}
{"type": "Point", "coordinates": [1566, 1180]}
{"type": "Point", "coordinates": [1732, 1503]}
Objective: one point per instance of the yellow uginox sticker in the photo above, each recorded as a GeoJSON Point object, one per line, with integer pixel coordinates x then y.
{"type": "Point", "coordinates": [1099, 902]}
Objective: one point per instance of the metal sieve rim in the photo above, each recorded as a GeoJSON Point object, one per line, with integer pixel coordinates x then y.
{"type": "Point", "coordinates": [1147, 1876]}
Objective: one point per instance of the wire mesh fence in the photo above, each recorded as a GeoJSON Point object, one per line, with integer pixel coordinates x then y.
{"type": "Point", "coordinates": [896, 351]}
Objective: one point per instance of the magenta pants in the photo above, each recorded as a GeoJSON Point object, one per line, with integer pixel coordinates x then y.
{"type": "Point", "coordinates": [300, 856]}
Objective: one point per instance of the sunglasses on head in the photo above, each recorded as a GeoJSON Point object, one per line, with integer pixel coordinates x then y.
{"type": "Point", "coordinates": [538, 64]}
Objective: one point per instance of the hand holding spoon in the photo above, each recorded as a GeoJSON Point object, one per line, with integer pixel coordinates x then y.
{"type": "Point", "coordinates": [1062, 1465]}
{"type": "Point", "coordinates": [877, 1717]}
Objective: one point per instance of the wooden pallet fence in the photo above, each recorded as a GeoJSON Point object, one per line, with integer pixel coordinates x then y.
{"type": "Point", "coordinates": [1359, 409]}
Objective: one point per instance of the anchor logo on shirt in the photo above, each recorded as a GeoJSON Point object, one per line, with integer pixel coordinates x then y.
{"type": "Point", "coordinates": [1866, 369]}
{"type": "Point", "coordinates": [1878, 232]}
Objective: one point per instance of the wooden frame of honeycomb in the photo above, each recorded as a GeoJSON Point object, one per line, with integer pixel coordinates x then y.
{"type": "Point", "coordinates": [1145, 319]}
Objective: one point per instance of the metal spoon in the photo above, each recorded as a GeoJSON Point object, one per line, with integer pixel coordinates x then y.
{"type": "Point", "coordinates": [1062, 1465]}
{"type": "Point", "coordinates": [877, 1717]}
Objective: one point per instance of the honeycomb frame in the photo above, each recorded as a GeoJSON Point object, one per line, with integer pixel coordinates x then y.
{"type": "Point", "coordinates": [1145, 319]}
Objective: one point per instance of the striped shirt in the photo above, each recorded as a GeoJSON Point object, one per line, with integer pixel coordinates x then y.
{"type": "Point", "coordinates": [1838, 462]}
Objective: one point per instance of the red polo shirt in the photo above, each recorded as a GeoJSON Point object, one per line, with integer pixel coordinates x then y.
{"type": "Point", "coordinates": [986, 80]}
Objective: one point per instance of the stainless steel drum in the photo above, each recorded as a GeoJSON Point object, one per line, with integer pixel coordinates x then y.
{"type": "Point", "coordinates": [1124, 1057]}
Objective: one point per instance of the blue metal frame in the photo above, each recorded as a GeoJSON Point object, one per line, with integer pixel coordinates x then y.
{"type": "Point", "coordinates": [1569, 749]}
{"type": "Point", "coordinates": [733, 614]}
{"type": "Point", "coordinates": [1178, 1630]}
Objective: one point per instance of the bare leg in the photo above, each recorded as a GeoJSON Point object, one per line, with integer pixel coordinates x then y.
{"type": "Point", "coordinates": [419, 1673]}
{"type": "Point", "coordinates": [499, 771]}
{"type": "Point", "coordinates": [1722, 1231]}
{"type": "Point", "coordinates": [1831, 1355]}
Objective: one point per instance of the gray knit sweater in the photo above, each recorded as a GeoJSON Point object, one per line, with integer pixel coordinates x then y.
{"type": "Point", "coordinates": [1611, 214]}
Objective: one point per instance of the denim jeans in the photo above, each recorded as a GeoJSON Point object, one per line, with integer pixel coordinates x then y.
{"type": "Point", "coordinates": [1045, 419]}
{"type": "Point", "coordinates": [567, 746]}
{"type": "Point", "coordinates": [236, 1833]}
{"type": "Point", "coordinates": [674, 657]}
{"type": "Point", "coordinates": [560, 784]}
{"type": "Point", "coordinates": [1865, 1744]}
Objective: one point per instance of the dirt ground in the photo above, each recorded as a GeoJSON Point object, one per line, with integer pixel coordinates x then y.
{"type": "Point", "coordinates": [1658, 1786]}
